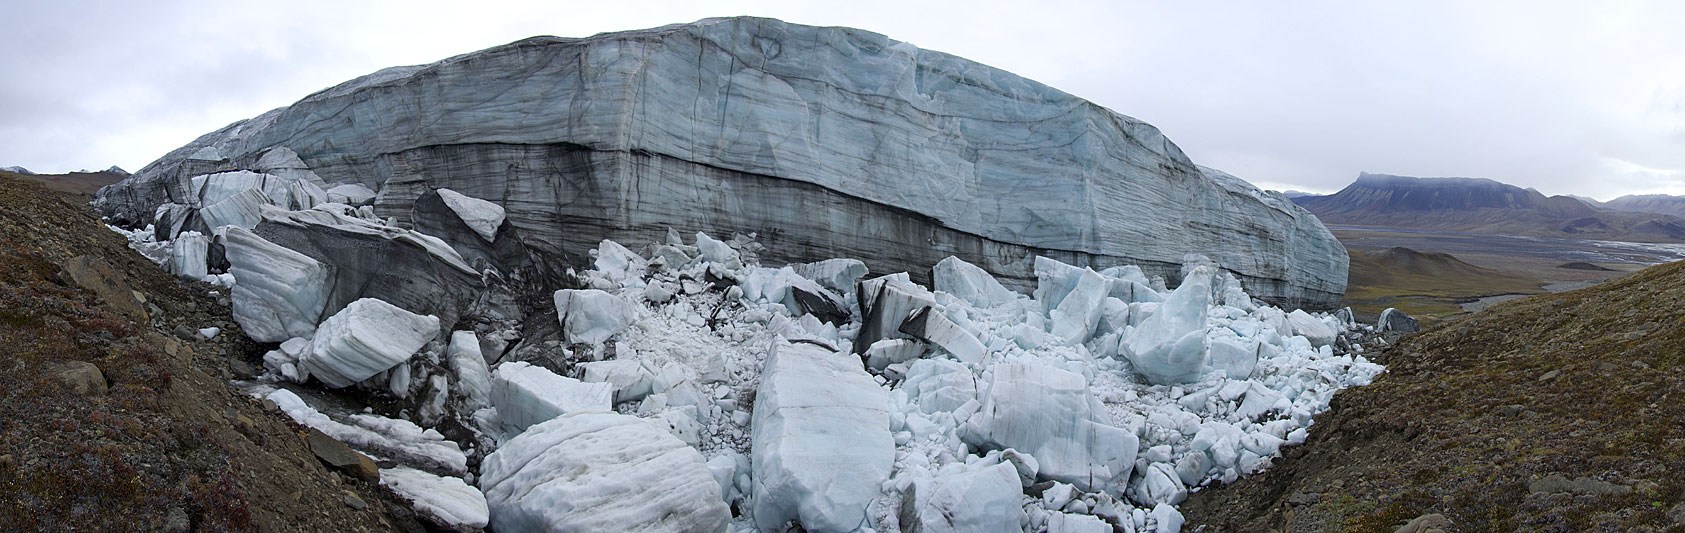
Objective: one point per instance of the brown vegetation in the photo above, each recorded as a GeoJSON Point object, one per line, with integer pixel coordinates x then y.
{"type": "Point", "coordinates": [1558, 412]}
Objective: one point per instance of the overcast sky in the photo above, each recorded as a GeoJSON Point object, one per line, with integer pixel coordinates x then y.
{"type": "Point", "coordinates": [1578, 98]}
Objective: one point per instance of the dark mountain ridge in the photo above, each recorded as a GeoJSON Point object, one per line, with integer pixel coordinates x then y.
{"type": "Point", "coordinates": [1480, 205]}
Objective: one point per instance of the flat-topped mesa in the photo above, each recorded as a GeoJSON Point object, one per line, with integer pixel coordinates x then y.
{"type": "Point", "coordinates": [826, 142]}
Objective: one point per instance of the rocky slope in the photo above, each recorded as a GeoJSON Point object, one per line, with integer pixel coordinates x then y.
{"type": "Point", "coordinates": [1483, 206]}
{"type": "Point", "coordinates": [1551, 413]}
{"type": "Point", "coordinates": [115, 413]}
{"type": "Point", "coordinates": [824, 142]}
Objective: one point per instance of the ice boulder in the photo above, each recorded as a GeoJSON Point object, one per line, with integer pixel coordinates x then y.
{"type": "Point", "coordinates": [1311, 328]}
{"type": "Point", "coordinates": [483, 216]}
{"type": "Point", "coordinates": [970, 283]}
{"type": "Point", "coordinates": [1170, 346]}
{"type": "Point", "coordinates": [985, 499]}
{"type": "Point", "coordinates": [1049, 414]}
{"type": "Point", "coordinates": [1079, 311]}
{"type": "Point", "coordinates": [821, 441]}
{"type": "Point", "coordinates": [601, 472]}
{"type": "Point", "coordinates": [366, 338]}
{"type": "Point", "coordinates": [189, 255]}
{"type": "Point", "coordinates": [591, 316]}
{"type": "Point", "coordinates": [448, 499]}
{"type": "Point", "coordinates": [526, 395]}
{"type": "Point", "coordinates": [718, 252]}
{"type": "Point", "coordinates": [631, 381]}
{"type": "Point", "coordinates": [473, 380]}
{"type": "Point", "coordinates": [1237, 358]}
{"type": "Point", "coordinates": [279, 293]}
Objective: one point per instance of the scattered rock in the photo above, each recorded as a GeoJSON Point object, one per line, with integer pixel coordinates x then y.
{"type": "Point", "coordinates": [241, 368]}
{"type": "Point", "coordinates": [81, 378]}
{"type": "Point", "coordinates": [351, 500]}
{"type": "Point", "coordinates": [1550, 375]}
{"type": "Point", "coordinates": [176, 521]}
{"type": "Point", "coordinates": [96, 275]}
{"type": "Point", "coordinates": [1428, 523]}
{"type": "Point", "coordinates": [336, 454]}
{"type": "Point", "coordinates": [7, 461]}
{"type": "Point", "coordinates": [1396, 321]}
{"type": "Point", "coordinates": [1555, 483]}
{"type": "Point", "coordinates": [184, 333]}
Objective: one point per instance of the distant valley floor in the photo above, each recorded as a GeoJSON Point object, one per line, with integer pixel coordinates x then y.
{"type": "Point", "coordinates": [1494, 267]}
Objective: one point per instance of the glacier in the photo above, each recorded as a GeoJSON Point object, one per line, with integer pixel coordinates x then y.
{"type": "Point", "coordinates": [824, 141]}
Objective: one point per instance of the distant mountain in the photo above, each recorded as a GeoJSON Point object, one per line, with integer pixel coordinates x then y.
{"type": "Point", "coordinates": [1479, 205]}
{"type": "Point", "coordinates": [1297, 194]}
{"type": "Point", "coordinates": [83, 183]}
{"type": "Point", "coordinates": [1589, 201]}
{"type": "Point", "coordinates": [1650, 203]}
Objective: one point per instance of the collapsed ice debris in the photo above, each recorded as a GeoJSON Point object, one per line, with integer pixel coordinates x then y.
{"type": "Point", "coordinates": [723, 393]}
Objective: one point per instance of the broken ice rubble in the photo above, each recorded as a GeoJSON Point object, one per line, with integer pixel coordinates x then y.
{"type": "Point", "coordinates": [811, 393]}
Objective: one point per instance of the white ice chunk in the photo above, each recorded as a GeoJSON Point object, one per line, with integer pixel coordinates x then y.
{"type": "Point", "coordinates": [472, 377]}
{"type": "Point", "coordinates": [366, 338]}
{"type": "Point", "coordinates": [601, 472]}
{"type": "Point", "coordinates": [281, 293]}
{"type": "Point", "coordinates": [940, 386]}
{"type": "Point", "coordinates": [1078, 311]}
{"type": "Point", "coordinates": [209, 333]}
{"type": "Point", "coordinates": [1058, 522]}
{"type": "Point", "coordinates": [526, 395]}
{"type": "Point", "coordinates": [835, 274]}
{"type": "Point", "coordinates": [1049, 414]}
{"type": "Point", "coordinates": [717, 252]}
{"type": "Point", "coordinates": [1170, 346]}
{"type": "Point", "coordinates": [591, 316]}
{"type": "Point", "coordinates": [449, 499]}
{"type": "Point", "coordinates": [986, 499]}
{"type": "Point", "coordinates": [1169, 519]}
{"type": "Point", "coordinates": [970, 283]}
{"type": "Point", "coordinates": [617, 263]}
{"type": "Point", "coordinates": [1311, 328]}
{"type": "Point", "coordinates": [188, 255]}
{"type": "Point", "coordinates": [1237, 358]}
{"type": "Point", "coordinates": [482, 216]}
{"type": "Point", "coordinates": [822, 448]}
{"type": "Point", "coordinates": [631, 381]}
